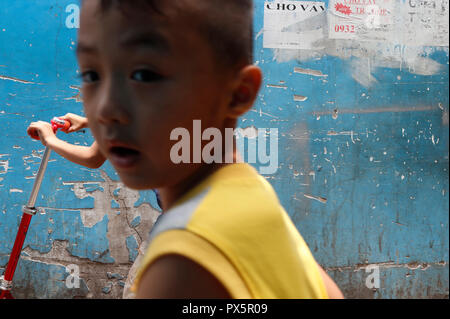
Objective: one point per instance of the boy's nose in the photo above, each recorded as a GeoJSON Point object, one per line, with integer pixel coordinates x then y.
{"type": "Point", "coordinates": [112, 108]}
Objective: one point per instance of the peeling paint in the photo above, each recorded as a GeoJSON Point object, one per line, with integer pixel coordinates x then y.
{"type": "Point", "coordinates": [309, 72]}
{"type": "Point", "coordinates": [77, 97]}
{"type": "Point", "coordinates": [317, 198]}
{"type": "Point", "coordinates": [389, 264]}
{"type": "Point", "coordinates": [276, 86]}
{"type": "Point", "coordinates": [119, 223]}
{"type": "Point", "coordinates": [300, 98]}
{"type": "Point", "coordinates": [4, 165]}
{"type": "Point", "coordinates": [377, 110]}
{"type": "Point", "coordinates": [9, 78]}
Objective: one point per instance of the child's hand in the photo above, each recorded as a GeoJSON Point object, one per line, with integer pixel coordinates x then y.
{"type": "Point", "coordinates": [76, 122]}
{"type": "Point", "coordinates": [41, 130]}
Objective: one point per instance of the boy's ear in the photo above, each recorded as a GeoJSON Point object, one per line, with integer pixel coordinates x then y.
{"type": "Point", "coordinates": [245, 91]}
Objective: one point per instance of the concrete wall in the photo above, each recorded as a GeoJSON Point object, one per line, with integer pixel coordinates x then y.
{"type": "Point", "coordinates": [360, 100]}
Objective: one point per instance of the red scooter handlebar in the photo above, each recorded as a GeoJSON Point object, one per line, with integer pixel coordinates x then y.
{"type": "Point", "coordinates": [57, 123]}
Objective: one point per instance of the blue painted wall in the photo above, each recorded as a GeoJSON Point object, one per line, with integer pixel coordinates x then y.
{"type": "Point", "coordinates": [363, 164]}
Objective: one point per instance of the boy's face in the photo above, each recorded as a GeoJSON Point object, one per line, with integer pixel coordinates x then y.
{"type": "Point", "coordinates": [143, 76]}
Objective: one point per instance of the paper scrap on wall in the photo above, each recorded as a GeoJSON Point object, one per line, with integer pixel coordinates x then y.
{"type": "Point", "coordinates": [293, 24]}
{"type": "Point", "coordinates": [407, 22]}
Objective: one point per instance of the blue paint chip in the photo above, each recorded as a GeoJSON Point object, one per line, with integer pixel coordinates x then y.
{"type": "Point", "coordinates": [114, 276]}
{"type": "Point", "coordinates": [133, 247]}
{"type": "Point", "coordinates": [114, 204]}
{"type": "Point", "coordinates": [90, 188]}
{"type": "Point", "coordinates": [136, 222]}
{"type": "Point", "coordinates": [147, 197]}
{"type": "Point", "coordinates": [107, 288]}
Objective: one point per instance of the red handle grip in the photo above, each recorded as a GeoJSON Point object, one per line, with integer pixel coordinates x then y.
{"type": "Point", "coordinates": [57, 123]}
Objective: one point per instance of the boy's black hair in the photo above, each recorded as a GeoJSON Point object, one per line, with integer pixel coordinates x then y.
{"type": "Point", "coordinates": [226, 24]}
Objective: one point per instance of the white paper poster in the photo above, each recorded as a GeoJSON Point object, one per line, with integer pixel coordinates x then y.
{"type": "Point", "coordinates": [408, 22]}
{"type": "Point", "coordinates": [293, 24]}
{"type": "Point", "coordinates": [361, 19]}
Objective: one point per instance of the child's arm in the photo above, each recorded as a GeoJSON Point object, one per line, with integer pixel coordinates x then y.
{"type": "Point", "coordinates": [89, 156]}
{"type": "Point", "coordinates": [333, 290]}
{"type": "Point", "coordinates": [177, 277]}
{"type": "Point", "coordinates": [76, 122]}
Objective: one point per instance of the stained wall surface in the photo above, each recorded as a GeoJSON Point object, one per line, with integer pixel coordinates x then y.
{"type": "Point", "coordinates": [356, 95]}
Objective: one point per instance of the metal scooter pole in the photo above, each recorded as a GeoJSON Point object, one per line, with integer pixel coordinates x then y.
{"type": "Point", "coordinates": [28, 211]}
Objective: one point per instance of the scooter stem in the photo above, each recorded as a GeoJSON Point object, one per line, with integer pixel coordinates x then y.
{"type": "Point", "coordinates": [29, 210]}
{"type": "Point", "coordinates": [39, 178]}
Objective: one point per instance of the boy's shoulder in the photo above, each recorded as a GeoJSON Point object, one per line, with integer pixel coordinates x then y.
{"type": "Point", "coordinates": [236, 214]}
{"type": "Point", "coordinates": [230, 198]}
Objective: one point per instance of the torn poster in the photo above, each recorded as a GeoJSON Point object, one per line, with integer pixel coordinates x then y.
{"type": "Point", "coordinates": [361, 19]}
{"type": "Point", "coordinates": [294, 24]}
{"type": "Point", "coordinates": [423, 22]}
{"type": "Point", "coordinates": [407, 22]}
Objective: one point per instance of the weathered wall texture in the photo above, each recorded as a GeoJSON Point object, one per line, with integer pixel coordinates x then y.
{"type": "Point", "coordinates": [358, 90]}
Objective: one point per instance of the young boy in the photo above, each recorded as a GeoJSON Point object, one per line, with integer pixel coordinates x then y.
{"type": "Point", "coordinates": [152, 67]}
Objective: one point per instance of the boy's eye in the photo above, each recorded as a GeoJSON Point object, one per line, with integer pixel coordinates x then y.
{"type": "Point", "coordinates": [146, 76]}
{"type": "Point", "coordinates": [89, 77]}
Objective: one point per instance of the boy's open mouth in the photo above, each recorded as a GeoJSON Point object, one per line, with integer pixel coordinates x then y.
{"type": "Point", "coordinates": [124, 157]}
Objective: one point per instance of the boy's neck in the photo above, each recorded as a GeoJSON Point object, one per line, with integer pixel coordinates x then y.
{"type": "Point", "coordinates": [169, 195]}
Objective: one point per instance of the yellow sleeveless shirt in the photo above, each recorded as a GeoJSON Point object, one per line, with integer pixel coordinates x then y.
{"type": "Point", "coordinates": [233, 225]}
